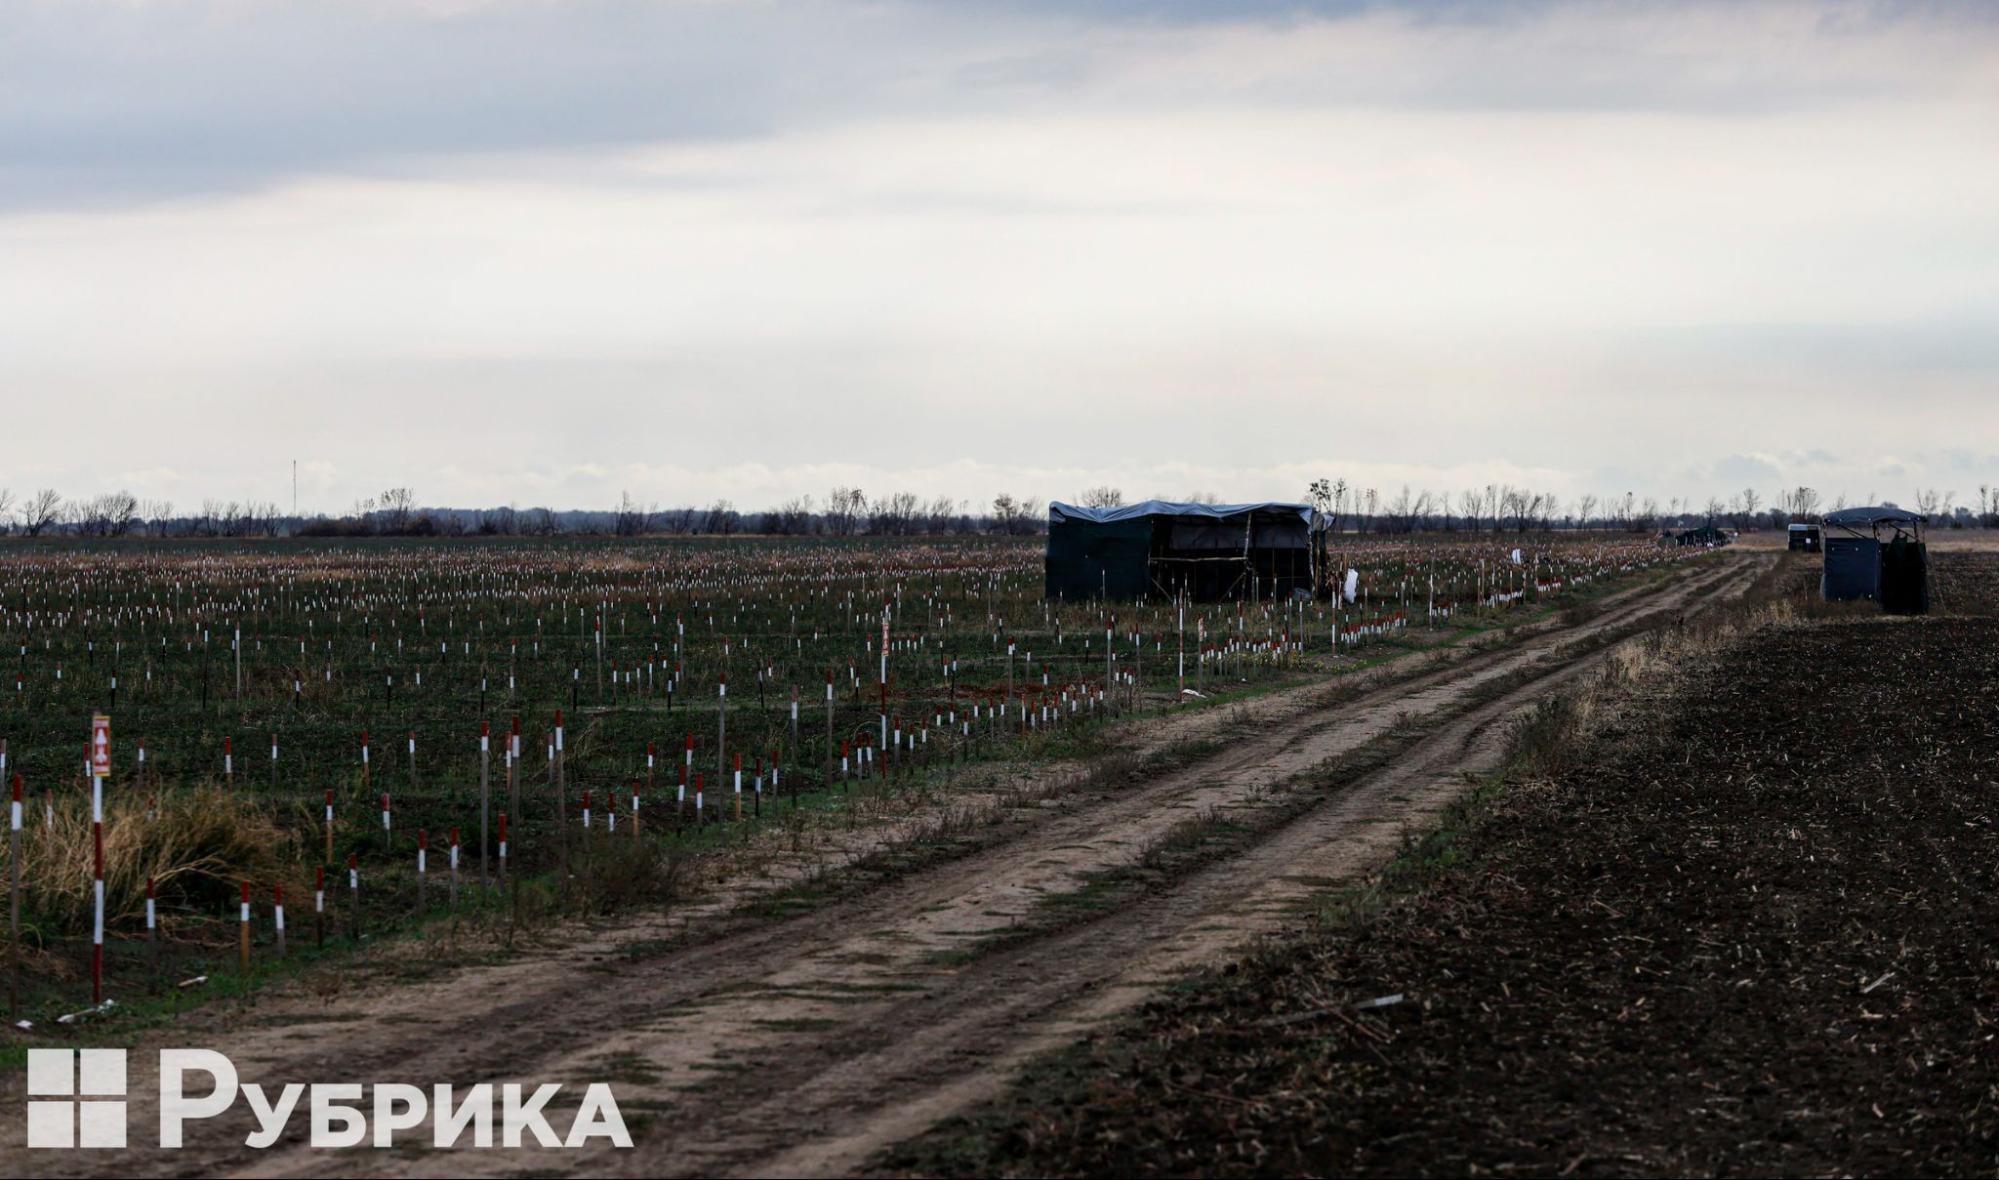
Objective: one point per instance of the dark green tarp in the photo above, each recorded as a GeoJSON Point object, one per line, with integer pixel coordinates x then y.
{"type": "Point", "coordinates": [1210, 552]}
{"type": "Point", "coordinates": [1089, 559]}
{"type": "Point", "coordinates": [1905, 577]}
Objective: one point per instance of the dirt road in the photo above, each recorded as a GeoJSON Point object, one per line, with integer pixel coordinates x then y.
{"type": "Point", "coordinates": [803, 1045]}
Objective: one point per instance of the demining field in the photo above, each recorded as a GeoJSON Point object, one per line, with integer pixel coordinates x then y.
{"type": "Point", "coordinates": [972, 779]}
{"type": "Point", "coordinates": [374, 732]}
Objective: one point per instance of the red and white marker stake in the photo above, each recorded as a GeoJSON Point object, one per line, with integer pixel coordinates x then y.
{"type": "Point", "coordinates": [100, 768]}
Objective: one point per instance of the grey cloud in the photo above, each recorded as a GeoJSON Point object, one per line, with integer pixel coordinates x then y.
{"type": "Point", "coordinates": [1747, 470]}
{"type": "Point", "coordinates": [114, 103]}
{"type": "Point", "coordinates": [104, 102]}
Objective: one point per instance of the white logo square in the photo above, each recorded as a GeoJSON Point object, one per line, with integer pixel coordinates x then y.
{"type": "Point", "coordinates": [56, 1077]}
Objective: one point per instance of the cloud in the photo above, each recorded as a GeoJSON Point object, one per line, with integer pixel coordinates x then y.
{"type": "Point", "coordinates": [516, 251]}
{"type": "Point", "coordinates": [1752, 470]}
{"type": "Point", "coordinates": [117, 102]}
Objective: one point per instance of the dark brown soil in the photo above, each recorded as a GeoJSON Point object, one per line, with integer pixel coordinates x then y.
{"type": "Point", "coordinates": [1759, 934]}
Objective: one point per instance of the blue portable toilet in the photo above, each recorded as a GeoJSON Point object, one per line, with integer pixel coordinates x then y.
{"type": "Point", "coordinates": [1877, 553]}
{"type": "Point", "coordinates": [1852, 568]}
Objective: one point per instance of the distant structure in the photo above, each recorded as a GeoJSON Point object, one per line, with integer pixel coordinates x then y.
{"type": "Point", "coordinates": [1706, 536]}
{"type": "Point", "coordinates": [1209, 552]}
{"type": "Point", "coordinates": [1805, 538]}
{"type": "Point", "coordinates": [1877, 553]}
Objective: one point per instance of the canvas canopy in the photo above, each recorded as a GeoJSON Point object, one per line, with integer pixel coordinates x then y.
{"type": "Point", "coordinates": [1058, 511]}
{"type": "Point", "coordinates": [1873, 517]}
{"type": "Point", "coordinates": [1861, 563]}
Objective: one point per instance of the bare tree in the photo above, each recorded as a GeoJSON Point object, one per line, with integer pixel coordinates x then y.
{"type": "Point", "coordinates": [721, 519]}
{"type": "Point", "coordinates": [39, 511]}
{"type": "Point", "coordinates": [791, 518]}
{"type": "Point", "coordinates": [108, 515]}
{"type": "Point", "coordinates": [398, 509]}
{"type": "Point", "coordinates": [942, 513]}
{"type": "Point", "coordinates": [1005, 512]}
{"type": "Point", "coordinates": [1320, 493]}
{"type": "Point", "coordinates": [1401, 512]}
{"type": "Point", "coordinates": [1470, 506]}
{"type": "Point", "coordinates": [632, 520]}
{"type": "Point", "coordinates": [894, 515]}
{"type": "Point", "coordinates": [1016, 517]}
{"type": "Point", "coordinates": [1102, 496]}
{"type": "Point", "coordinates": [498, 522]}
{"type": "Point", "coordinates": [155, 514]}
{"type": "Point", "coordinates": [843, 510]}
{"type": "Point", "coordinates": [1804, 502]}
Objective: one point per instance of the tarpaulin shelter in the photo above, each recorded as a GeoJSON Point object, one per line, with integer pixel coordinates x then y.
{"type": "Point", "coordinates": [1210, 552]}
{"type": "Point", "coordinates": [1706, 535]}
{"type": "Point", "coordinates": [1862, 562]}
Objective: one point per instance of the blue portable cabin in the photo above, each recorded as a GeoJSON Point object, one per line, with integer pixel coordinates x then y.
{"type": "Point", "coordinates": [1877, 553]}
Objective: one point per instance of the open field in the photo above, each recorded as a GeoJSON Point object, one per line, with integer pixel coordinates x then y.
{"type": "Point", "coordinates": [1645, 914]}
{"type": "Point", "coordinates": [1735, 918]}
{"type": "Point", "coordinates": [318, 707]}
{"type": "Point", "coordinates": [865, 961]}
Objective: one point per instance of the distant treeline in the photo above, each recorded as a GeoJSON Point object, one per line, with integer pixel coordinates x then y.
{"type": "Point", "coordinates": [397, 513]}
{"type": "Point", "coordinates": [849, 512]}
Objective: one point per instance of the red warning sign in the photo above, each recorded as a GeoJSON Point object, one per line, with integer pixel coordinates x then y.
{"type": "Point", "coordinates": [100, 746]}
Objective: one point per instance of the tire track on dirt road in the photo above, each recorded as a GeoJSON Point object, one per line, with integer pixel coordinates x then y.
{"type": "Point", "coordinates": [804, 1043]}
{"type": "Point", "coordinates": [936, 1054]}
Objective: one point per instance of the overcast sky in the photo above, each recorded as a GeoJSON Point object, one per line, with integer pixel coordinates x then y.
{"type": "Point", "coordinates": [536, 251]}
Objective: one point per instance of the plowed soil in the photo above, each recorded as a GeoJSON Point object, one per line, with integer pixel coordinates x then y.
{"type": "Point", "coordinates": [1754, 932]}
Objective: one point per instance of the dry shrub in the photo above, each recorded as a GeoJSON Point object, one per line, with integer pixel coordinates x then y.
{"type": "Point", "coordinates": [196, 844]}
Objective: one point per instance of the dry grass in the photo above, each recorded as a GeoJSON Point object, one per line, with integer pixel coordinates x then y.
{"type": "Point", "coordinates": [196, 845]}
